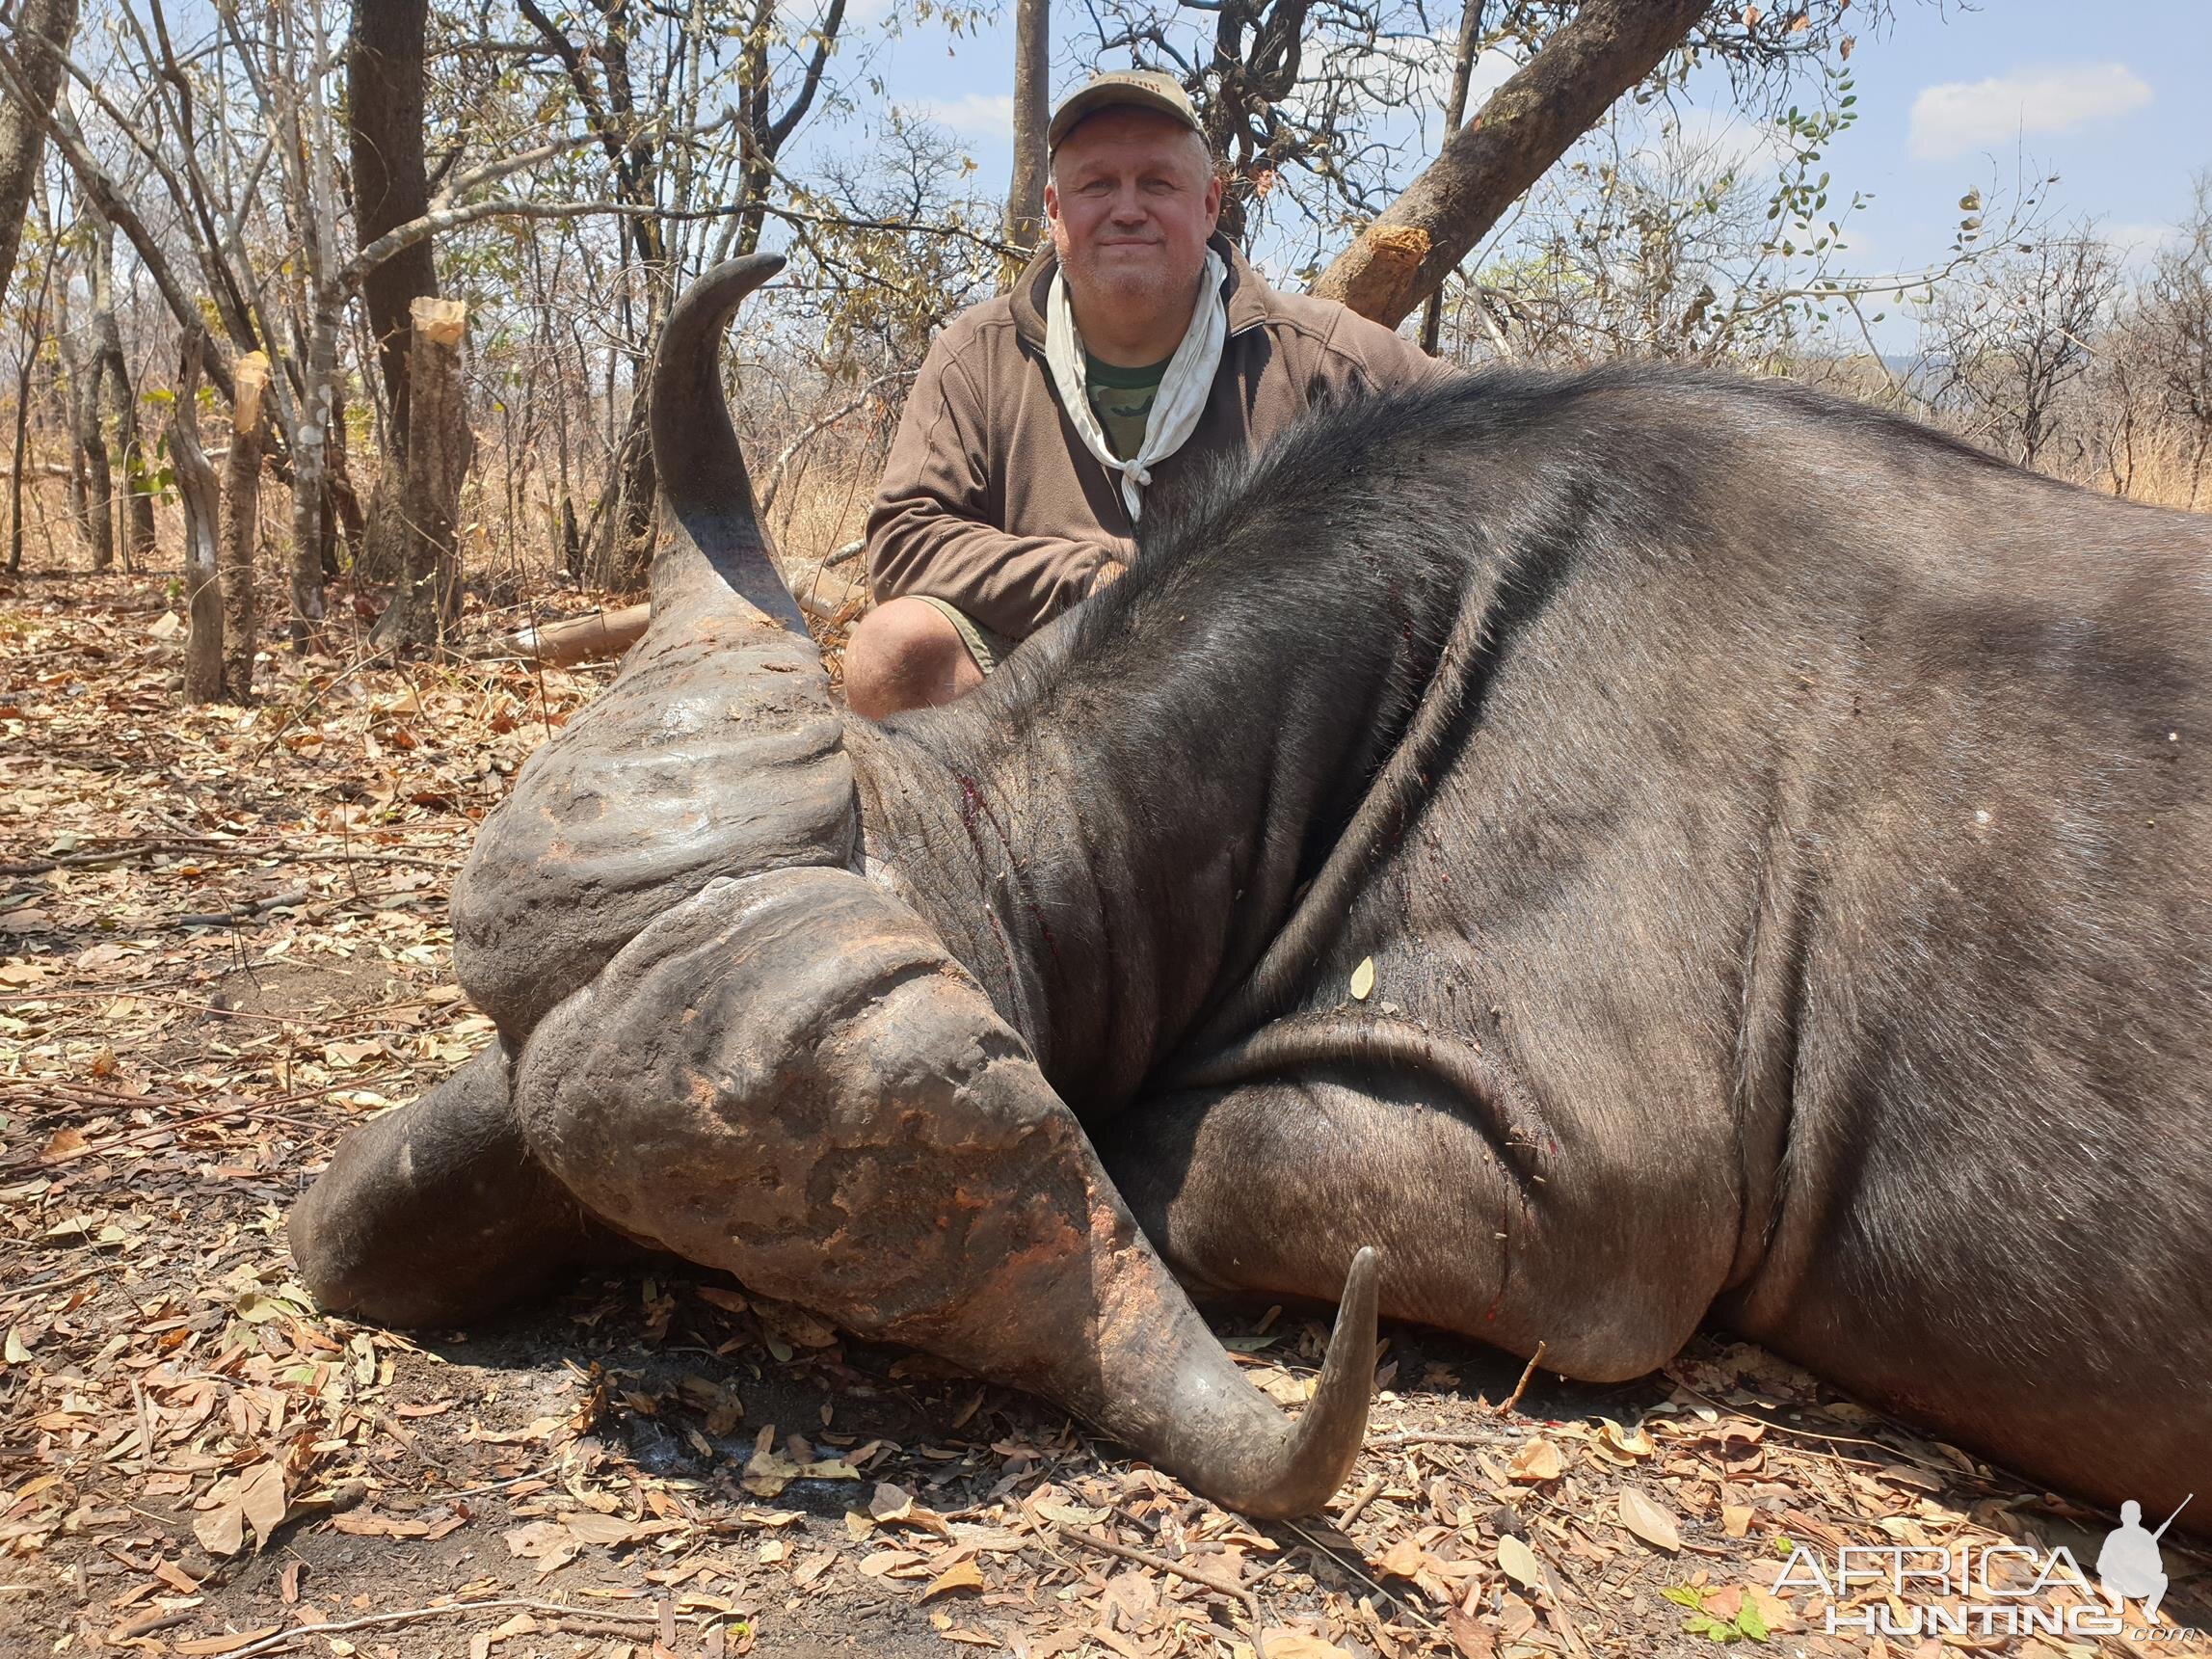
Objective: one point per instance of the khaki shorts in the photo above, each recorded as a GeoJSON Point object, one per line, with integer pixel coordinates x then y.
{"type": "Point", "coordinates": [987, 648]}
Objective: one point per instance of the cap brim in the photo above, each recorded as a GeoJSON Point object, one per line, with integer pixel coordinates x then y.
{"type": "Point", "coordinates": [1092, 99]}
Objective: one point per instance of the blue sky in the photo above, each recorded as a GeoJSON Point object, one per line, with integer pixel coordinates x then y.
{"type": "Point", "coordinates": [2116, 100]}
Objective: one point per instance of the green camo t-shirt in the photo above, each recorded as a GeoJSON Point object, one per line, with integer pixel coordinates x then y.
{"type": "Point", "coordinates": [1122, 400]}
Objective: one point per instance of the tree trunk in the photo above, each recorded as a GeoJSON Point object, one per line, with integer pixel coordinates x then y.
{"type": "Point", "coordinates": [241, 513]}
{"type": "Point", "coordinates": [385, 103]}
{"type": "Point", "coordinates": [384, 99]}
{"type": "Point", "coordinates": [137, 495]}
{"type": "Point", "coordinates": [622, 552]}
{"type": "Point", "coordinates": [1032, 88]}
{"type": "Point", "coordinates": [310, 468]}
{"type": "Point", "coordinates": [196, 489]}
{"type": "Point", "coordinates": [440, 447]}
{"type": "Point", "coordinates": [91, 481]}
{"type": "Point", "coordinates": [36, 318]}
{"type": "Point", "coordinates": [1455, 112]}
{"type": "Point", "coordinates": [1527, 124]}
{"type": "Point", "coordinates": [41, 34]}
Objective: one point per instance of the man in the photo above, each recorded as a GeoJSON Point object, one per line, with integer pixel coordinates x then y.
{"type": "Point", "coordinates": [1047, 422]}
{"type": "Point", "coordinates": [2130, 1565]}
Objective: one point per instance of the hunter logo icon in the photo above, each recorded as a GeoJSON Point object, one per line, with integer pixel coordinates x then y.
{"type": "Point", "coordinates": [2130, 1565]}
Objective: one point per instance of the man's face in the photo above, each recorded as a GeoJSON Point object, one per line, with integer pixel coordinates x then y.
{"type": "Point", "coordinates": [1131, 200]}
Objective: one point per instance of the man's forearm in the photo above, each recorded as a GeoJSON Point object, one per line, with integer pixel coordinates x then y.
{"type": "Point", "coordinates": [1011, 584]}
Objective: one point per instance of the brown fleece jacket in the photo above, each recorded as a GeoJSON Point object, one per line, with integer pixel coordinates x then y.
{"type": "Point", "coordinates": [991, 502]}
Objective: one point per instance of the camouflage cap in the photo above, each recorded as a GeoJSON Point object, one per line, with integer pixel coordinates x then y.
{"type": "Point", "coordinates": [1127, 89]}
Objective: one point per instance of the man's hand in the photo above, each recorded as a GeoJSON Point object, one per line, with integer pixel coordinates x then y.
{"type": "Point", "coordinates": [1109, 574]}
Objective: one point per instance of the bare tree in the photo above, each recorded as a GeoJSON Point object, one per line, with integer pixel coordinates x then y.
{"type": "Point", "coordinates": [2008, 342]}
{"type": "Point", "coordinates": [1523, 127]}
{"type": "Point", "coordinates": [137, 488]}
{"type": "Point", "coordinates": [617, 71]}
{"type": "Point", "coordinates": [2175, 316]}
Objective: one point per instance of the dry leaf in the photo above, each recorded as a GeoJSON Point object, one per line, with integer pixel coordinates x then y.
{"type": "Point", "coordinates": [1518, 1562]}
{"type": "Point", "coordinates": [1069, 1517]}
{"type": "Point", "coordinates": [888, 1503]}
{"type": "Point", "coordinates": [1735, 1520]}
{"type": "Point", "coordinates": [1403, 1559]}
{"type": "Point", "coordinates": [608, 1530]}
{"type": "Point", "coordinates": [1299, 1644]}
{"type": "Point", "coordinates": [1472, 1640]}
{"type": "Point", "coordinates": [1536, 1461]}
{"type": "Point", "coordinates": [1773, 1609]}
{"type": "Point", "coordinates": [1648, 1521]}
{"type": "Point", "coordinates": [767, 1472]}
{"type": "Point", "coordinates": [1362, 982]}
{"type": "Point", "coordinates": [1629, 1442]}
{"type": "Point", "coordinates": [960, 1575]}
{"type": "Point", "coordinates": [261, 1497]}
{"type": "Point", "coordinates": [221, 1530]}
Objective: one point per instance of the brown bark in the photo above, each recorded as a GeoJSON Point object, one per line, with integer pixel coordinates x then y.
{"type": "Point", "coordinates": [91, 480]}
{"type": "Point", "coordinates": [196, 490]}
{"type": "Point", "coordinates": [40, 38]}
{"type": "Point", "coordinates": [439, 451]}
{"type": "Point", "coordinates": [24, 366]}
{"type": "Point", "coordinates": [241, 513]}
{"type": "Point", "coordinates": [384, 99]}
{"type": "Point", "coordinates": [621, 552]}
{"type": "Point", "coordinates": [1527, 124]}
{"type": "Point", "coordinates": [1032, 67]}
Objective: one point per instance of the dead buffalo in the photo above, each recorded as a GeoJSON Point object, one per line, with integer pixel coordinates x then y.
{"type": "Point", "coordinates": [1635, 848]}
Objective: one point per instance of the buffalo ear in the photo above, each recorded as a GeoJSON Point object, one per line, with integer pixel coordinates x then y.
{"type": "Point", "coordinates": [789, 1078]}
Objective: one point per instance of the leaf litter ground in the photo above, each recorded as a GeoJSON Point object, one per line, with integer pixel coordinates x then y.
{"type": "Point", "coordinates": [223, 943]}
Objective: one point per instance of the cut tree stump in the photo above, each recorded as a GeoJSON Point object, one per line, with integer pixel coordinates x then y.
{"type": "Point", "coordinates": [439, 450]}
{"type": "Point", "coordinates": [241, 511]}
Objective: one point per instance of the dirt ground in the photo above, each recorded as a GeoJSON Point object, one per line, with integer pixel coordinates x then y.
{"type": "Point", "coordinates": [223, 943]}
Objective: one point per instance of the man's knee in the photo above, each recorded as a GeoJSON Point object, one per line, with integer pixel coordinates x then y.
{"type": "Point", "coordinates": [906, 655]}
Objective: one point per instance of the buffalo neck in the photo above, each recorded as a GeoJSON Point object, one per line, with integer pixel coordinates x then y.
{"type": "Point", "coordinates": [1114, 833]}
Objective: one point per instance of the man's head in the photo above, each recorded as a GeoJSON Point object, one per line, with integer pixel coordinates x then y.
{"type": "Point", "coordinates": [2130, 1514]}
{"type": "Point", "coordinates": [1132, 199]}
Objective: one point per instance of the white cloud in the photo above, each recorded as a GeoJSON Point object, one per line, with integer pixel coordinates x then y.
{"type": "Point", "coordinates": [1957, 117]}
{"type": "Point", "coordinates": [2137, 244]}
{"type": "Point", "coordinates": [978, 115]}
{"type": "Point", "coordinates": [1722, 139]}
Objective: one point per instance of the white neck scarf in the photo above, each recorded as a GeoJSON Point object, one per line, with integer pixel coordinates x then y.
{"type": "Point", "coordinates": [1183, 388]}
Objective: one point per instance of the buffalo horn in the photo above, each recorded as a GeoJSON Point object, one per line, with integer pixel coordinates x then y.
{"type": "Point", "coordinates": [712, 537]}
